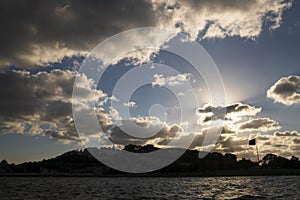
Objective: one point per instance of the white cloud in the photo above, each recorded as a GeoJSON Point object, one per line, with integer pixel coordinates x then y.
{"type": "Point", "coordinates": [130, 104]}
{"type": "Point", "coordinates": [160, 80]}
{"type": "Point", "coordinates": [286, 90]}
{"type": "Point", "coordinates": [181, 94]}
{"type": "Point", "coordinates": [237, 117]}
{"type": "Point", "coordinates": [220, 19]}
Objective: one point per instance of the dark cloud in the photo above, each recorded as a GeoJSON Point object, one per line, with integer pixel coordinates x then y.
{"type": "Point", "coordinates": [209, 113]}
{"type": "Point", "coordinates": [287, 133]}
{"type": "Point", "coordinates": [27, 93]}
{"type": "Point", "coordinates": [280, 146]}
{"type": "Point", "coordinates": [239, 145]}
{"type": "Point", "coordinates": [117, 135]}
{"type": "Point", "coordinates": [41, 103]}
{"type": "Point", "coordinates": [34, 32]}
{"type": "Point", "coordinates": [228, 144]}
{"type": "Point", "coordinates": [296, 141]}
{"type": "Point", "coordinates": [220, 5]}
{"type": "Point", "coordinates": [198, 138]}
{"type": "Point", "coordinates": [232, 144]}
{"type": "Point", "coordinates": [296, 149]}
{"type": "Point", "coordinates": [233, 108]}
{"type": "Point", "coordinates": [261, 124]}
{"type": "Point", "coordinates": [263, 137]}
{"type": "Point", "coordinates": [286, 90]}
{"type": "Point", "coordinates": [267, 143]}
{"type": "Point", "coordinates": [282, 143]}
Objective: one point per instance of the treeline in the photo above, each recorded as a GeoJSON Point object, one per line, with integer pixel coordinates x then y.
{"type": "Point", "coordinates": [82, 162]}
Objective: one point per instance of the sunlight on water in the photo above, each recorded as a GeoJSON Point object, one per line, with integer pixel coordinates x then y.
{"type": "Point", "coordinates": [150, 188]}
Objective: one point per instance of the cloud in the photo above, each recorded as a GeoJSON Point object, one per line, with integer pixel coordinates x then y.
{"type": "Point", "coordinates": [284, 144]}
{"type": "Point", "coordinates": [176, 80]}
{"type": "Point", "coordinates": [235, 118]}
{"type": "Point", "coordinates": [118, 136]}
{"type": "Point", "coordinates": [167, 133]}
{"type": "Point", "coordinates": [243, 109]}
{"type": "Point", "coordinates": [197, 140]}
{"type": "Point", "coordinates": [34, 32]}
{"type": "Point", "coordinates": [41, 104]}
{"type": "Point", "coordinates": [231, 112]}
{"type": "Point", "coordinates": [260, 124]}
{"type": "Point", "coordinates": [296, 141]}
{"type": "Point", "coordinates": [287, 133]}
{"type": "Point", "coordinates": [130, 104]}
{"type": "Point", "coordinates": [180, 94]}
{"type": "Point", "coordinates": [281, 145]}
{"type": "Point", "coordinates": [232, 144]}
{"type": "Point", "coordinates": [221, 18]}
{"type": "Point", "coordinates": [286, 90]}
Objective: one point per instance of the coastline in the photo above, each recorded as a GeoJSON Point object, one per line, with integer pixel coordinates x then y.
{"type": "Point", "coordinates": [217, 173]}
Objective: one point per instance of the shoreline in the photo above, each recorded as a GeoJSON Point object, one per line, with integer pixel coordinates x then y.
{"type": "Point", "coordinates": [218, 173]}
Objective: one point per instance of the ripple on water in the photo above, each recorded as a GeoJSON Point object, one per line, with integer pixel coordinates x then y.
{"type": "Point", "coordinates": [149, 188]}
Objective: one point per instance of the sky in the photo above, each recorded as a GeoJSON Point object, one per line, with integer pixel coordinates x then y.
{"type": "Point", "coordinates": [254, 45]}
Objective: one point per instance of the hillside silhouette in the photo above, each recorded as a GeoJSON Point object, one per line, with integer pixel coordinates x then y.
{"type": "Point", "coordinates": [82, 163]}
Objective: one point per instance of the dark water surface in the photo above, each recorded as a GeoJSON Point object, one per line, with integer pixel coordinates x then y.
{"type": "Point", "coordinates": [279, 187]}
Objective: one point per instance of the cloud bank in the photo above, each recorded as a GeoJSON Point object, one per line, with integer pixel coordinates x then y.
{"type": "Point", "coordinates": [219, 19]}
{"type": "Point", "coordinates": [35, 32]}
{"type": "Point", "coordinates": [41, 104]}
